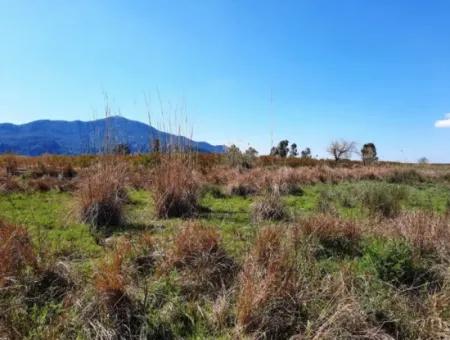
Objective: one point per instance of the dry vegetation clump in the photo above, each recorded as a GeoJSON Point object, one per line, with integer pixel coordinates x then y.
{"type": "Point", "coordinates": [245, 182]}
{"type": "Point", "coordinates": [336, 236]}
{"type": "Point", "coordinates": [287, 181]}
{"type": "Point", "coordinates": [270, 296]}
{"type": "Point", "coordinates": [16, 252]}
{"type": "Point", "coordinates": [47, 183]}
{"type": "Point", "coordinates": [427, 232]}
{"type": "Point", "coordinates": [11, 165]}
{"type": "Point", "coordinates": [205, 265]}
{"type": "Point", "coordinates": [50, 285]}
{"type": "Point", "coordinates": [115, 309]}
{"type": "Point", "coordinates": [68, 171]}
{"type": "Point", "coordinates": [175, 188]}
{"type": "Point", "coordinates": [435, 323]}
{"type": "Point", "coordinates": [145, 254]}
{"type": "Point", "coordinates": [269, 207]}
{"type": "Point", "coordinates": [9, 185]}
{"type": "Point", "coordinates": [101, 196]}
{"type": "Point", "coordinates": [283, 294]}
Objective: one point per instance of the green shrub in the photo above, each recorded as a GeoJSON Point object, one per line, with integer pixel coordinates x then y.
{"type": "Point", "coordinates": [394, 262]}
{"type": "Point", "coordinates": [384, 199]}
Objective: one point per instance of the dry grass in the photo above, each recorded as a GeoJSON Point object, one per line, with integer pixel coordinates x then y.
{"type": "Point", "coordinates": [270, 207]}
{"type": "Point", "coordinates": [269, 301]}
{"type": "Point", "coordinates": [426, 231]}
{"type": "Point", "coordinates": [282, 294]}
{"type": "Point", "coordinates": [10, 185]}
{"type": "Point", "coordinates": [327, 227]}
{"type": "Point", "coordinates": [206, 266]}
{"type": "Point", "coordinates": [101, 196]}
{"type": "Point", "coordinates": [16, 252]}
{"type": "Point", "coordinates": [115, 305]}
{"type": "Point", "coordinates": [175, 188]}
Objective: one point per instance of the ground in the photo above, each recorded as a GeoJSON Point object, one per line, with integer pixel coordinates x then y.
{"type": "Point", "coordinates": [377, 265]}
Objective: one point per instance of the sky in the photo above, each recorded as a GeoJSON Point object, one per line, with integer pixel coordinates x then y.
{"type": "Point", "coordinates": [238, 72]}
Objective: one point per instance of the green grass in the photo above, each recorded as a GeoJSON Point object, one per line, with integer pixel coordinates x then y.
{"type": "Point", "coordinates": [51, 222]}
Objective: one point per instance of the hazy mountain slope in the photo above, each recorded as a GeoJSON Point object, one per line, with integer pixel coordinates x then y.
{"type": "Point", "coordinates": [63, 137]}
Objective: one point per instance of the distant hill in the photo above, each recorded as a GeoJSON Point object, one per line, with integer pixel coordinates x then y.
{"type": "Point", "coordinates": [77, 137]}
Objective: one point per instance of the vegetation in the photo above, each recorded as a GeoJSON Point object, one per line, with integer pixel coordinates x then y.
{"type": "Point", "coordinates": [194, 246]}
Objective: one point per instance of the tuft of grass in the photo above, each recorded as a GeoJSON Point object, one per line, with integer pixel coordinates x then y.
{"type": "Point", "coordinates": [116, 306]}
{"type": "Point", "coordinates": [101, 196]}
{"type": "Point", "coordinates": [16, 252]}
{"type": "Point", "coordinates": [270, 207]}
{"type": "Point", "coordinates": [269, 300]}
{"type": "Point", "coordinates": [197, 251]}
{"type": "Point", "coordinates": [175, 189]}
{"type": "Point", "coordinates": [337, 237]}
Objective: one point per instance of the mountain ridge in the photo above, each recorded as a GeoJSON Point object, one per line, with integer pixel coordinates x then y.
{"type": "Point", "coordinates": [80, 137]}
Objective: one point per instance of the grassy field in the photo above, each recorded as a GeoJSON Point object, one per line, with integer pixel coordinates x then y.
{"type": "Point", "coordinates": [352, 255]}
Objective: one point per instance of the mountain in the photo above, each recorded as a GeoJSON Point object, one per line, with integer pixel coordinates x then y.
{"type": "Point", "coordinates": [77, 137]}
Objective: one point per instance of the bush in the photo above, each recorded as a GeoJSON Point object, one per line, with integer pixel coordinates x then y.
{"type": "Point", "coordinates": [101, 196]}
{"type": "Point", "coordinates": [395, 263]}
{"type": "Point", "coordinates": [269, 208]}
{"type": "Point", "coordinates": [175, 189]}
{"type": "Point", "coordinates": [206, 266]}
{"type": "Point", "coordinates": [384, 199]}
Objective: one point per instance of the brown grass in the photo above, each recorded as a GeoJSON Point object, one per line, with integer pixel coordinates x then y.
{"type": "Point", "coordinates": [16, 252]}
{"type": "Point", "coordinates": [111, 287]}
{"type": "Point", "coordinates": [426, 231]}
{"type": "Point", "coordinates": [9, 185]}
{"type": "Point", "coordinates": [270, 207]}
{"type": "Point", "coordinates": [175, 188]}
{"type": "Point", "coordinates": [101, 195]}
{"type": "Point", "coordinates": [206, 266]}
{"type": "Point", "coordinates": [269, 301]}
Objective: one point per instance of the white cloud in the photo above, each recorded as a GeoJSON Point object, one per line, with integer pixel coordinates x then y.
{"type": "Point", "coordinates": [443, 123]}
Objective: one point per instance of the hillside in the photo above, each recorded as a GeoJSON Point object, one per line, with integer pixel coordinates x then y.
{"type": "Point", "coordinates": [77, 137]}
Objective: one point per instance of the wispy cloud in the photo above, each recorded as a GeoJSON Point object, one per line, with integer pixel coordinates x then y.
{"type": "Point", "coordinates": [443, 123]}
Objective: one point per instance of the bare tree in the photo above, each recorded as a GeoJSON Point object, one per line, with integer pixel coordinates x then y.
{"type": "Point", "coordinates": [341, 149]}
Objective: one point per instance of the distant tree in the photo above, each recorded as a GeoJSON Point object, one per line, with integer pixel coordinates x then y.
{"type": "Point", "coordinates": [293, 152]}
{"type": "Point", "coordinates": [156, 145]}
{"type": "Point", "coordinates": [234, 155]}
{"type": "Point", "coordinates": [341, 149]}
{"type": "Point", "coordinates": [251, 152]}
{"type": "Point", "coordinates": [281, 150]}
{"type": "Point", "coordinates": [369, 153]}
{"type": "Point", "coordinates": [121, 149]}
{"type": "Point", "coordinates": [249, 157]}
{"type": "Point", "coordinates": [306, 153]}
{"type": "Point", "coordinates": [423, 160]}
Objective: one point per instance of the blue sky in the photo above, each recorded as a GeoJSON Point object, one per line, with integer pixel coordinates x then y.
{"type": "Point", "coordinates": [244, 72]}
